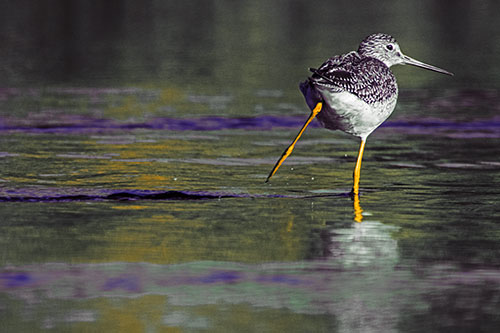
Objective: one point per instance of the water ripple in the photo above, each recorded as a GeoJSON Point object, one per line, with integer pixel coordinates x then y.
{"type": "Point", "coordinates": [472, 128]}
{"type": "Point", "coordinates": [58, 195]}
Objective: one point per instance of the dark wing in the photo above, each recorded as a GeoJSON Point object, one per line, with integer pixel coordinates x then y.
{"type": "Point", "coordinates": [368, 78]}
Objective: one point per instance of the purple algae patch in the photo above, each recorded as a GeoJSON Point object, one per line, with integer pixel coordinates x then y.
{"type": "Point", "coordinates": [122, 283]}
{"type": "Point", "coordinates": [279, 279]}
{"type": "Point", "coordinates": [217, 123]}
{"type": "Point", "coordinates": [223, 277]}
{"type": "Point", "coordinates": [212, 123]}
{"type": "Point", "coordinates": [13, 280]}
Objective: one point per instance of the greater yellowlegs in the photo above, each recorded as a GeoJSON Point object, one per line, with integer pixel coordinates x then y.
{"type": "Point", "coordinates": [355, 92]}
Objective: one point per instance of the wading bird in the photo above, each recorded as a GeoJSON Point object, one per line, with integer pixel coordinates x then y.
{"type": "Point", "coordinates": [355, 92]}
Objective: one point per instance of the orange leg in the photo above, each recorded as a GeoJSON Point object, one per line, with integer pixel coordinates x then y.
{"type": "Point", "coordinates": [358, 211]}
{"type": "Point", "coordinates": [357, 169]}
{"type": "Point", "coordinates": [289, 150]}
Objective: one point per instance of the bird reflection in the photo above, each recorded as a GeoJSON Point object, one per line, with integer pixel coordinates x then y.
{"type": "Point", "coordinates": [358, 211]}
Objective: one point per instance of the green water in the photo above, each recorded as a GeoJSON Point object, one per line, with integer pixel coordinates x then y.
{"type": "Point", "coordinates": [149, 102]}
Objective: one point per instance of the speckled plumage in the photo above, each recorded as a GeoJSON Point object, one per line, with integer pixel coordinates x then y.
{"type": "Point", "coordinates": [361, 73]}
{"type": "Point", "coordinates": [367, 78]}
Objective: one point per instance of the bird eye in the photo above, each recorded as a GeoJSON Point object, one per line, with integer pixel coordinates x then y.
{"type": "Point", "coordinates": [389, 47]}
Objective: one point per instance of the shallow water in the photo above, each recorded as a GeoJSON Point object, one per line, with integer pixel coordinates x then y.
{"type": "Point", "coordinates": [166, 222]}
{"type": "Point", "coordinates": [134, 146]}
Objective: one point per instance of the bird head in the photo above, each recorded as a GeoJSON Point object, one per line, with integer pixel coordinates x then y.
{"type": "Point", "coordinates": [386, 49]}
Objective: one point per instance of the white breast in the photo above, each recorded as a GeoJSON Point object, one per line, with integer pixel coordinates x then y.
{"type": "Point", "coordinates": [346, 112]}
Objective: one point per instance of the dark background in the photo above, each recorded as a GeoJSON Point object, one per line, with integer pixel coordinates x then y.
{"type": "Point", "coordinates": [235, 43]}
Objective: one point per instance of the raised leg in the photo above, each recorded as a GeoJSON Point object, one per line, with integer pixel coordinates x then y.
{"type": "Point", "coordinates": [289, 150]}
{"type": "Point", "coordinates": [357, 168]}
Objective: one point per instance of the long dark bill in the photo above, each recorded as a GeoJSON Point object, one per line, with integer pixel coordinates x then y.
{"type": "Point", "coordinates": [410, 61]}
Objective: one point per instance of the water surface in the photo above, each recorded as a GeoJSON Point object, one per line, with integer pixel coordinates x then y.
{"type": "Point", "coordinates": [132, 191]}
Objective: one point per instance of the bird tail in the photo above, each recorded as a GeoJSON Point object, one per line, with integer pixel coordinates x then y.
{"type": "Point", "coordinates": [310, 93]}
